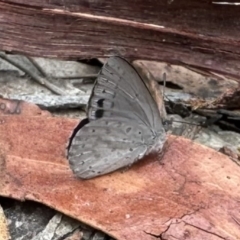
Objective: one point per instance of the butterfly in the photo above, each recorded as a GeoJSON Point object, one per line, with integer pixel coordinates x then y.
{"type": "Point", "coordinates": [123, 123]}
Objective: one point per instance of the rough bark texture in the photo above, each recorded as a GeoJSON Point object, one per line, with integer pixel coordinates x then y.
{"type": "Point", "coordinates": [196, 33]}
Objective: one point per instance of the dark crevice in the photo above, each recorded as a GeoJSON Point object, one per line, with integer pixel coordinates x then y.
{"type": "Point", "coordinates": [27, 6]}
{"type": "Point", "coordinates": [204, 230]}
{"type": "Point", "coordinates": [171, 85]}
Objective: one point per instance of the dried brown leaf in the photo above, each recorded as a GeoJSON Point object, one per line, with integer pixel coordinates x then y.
{"type": "Point", "coordinates": [202, 84]}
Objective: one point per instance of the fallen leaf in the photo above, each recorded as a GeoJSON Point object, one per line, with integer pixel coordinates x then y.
{"type": "Point", "coordinates": [192, 193]}
{"type": "Point", "coordinates": [202, 84]}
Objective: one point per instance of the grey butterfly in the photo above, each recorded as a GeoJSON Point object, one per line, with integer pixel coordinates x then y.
{"type": "Point", "coordinates": [123, 123]}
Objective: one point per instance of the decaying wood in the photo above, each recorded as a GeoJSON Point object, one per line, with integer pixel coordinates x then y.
{"type": "Point", "coordinates": [193, 191]}
{"type": "Point", "coordinates": [199, 34]}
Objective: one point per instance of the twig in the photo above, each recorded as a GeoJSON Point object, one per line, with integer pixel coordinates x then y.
{"type": "Point", "coordinates": [36, 65]}
{"type": "Point", "coordinates": [35, 77]}
{"type": "Point", "coordinates": [77, 77]}
{"type": "Point", "coordinates": [52, 102]}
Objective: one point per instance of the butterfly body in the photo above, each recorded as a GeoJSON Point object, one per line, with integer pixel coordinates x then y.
{"type": "Point", "coordinates": [124, 123]}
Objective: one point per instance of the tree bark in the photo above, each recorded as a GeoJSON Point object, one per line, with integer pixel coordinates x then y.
{"type": "Point", "coordinates": [199, 34]}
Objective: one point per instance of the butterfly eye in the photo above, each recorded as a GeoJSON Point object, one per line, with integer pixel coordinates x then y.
{"type": "Point", "coordinates": [139, 133]}
{"type": "Point", "coordinates": [130, 149]}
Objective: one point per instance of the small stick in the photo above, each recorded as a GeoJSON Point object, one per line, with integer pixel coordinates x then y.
{"type": "Point", "coordinates": [35, 77]}
{"type": "Point", "coordinates": [36, 65]}
{"type": "Point", "coordinates": [80, 76]}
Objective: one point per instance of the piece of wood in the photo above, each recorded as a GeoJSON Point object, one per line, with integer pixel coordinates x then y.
{"type": "Point", "coordinates": [197, 33]}
{"type": "Point", "coordinates": [192, 192]}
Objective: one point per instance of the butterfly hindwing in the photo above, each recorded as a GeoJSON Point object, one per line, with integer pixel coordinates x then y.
{"type": "Point", "coordinates": [103, 146]}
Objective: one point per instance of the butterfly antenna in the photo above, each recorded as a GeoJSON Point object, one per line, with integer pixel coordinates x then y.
{"type": "Point", "coordinates": [164, 78]}
{"type": "Point", "coordinates": [164, 84]}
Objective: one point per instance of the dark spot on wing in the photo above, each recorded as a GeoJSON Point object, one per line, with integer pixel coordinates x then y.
{"type": "Point", "coordinates": [100, 102]}
{"type": "Point", "coordinates": [128, 129]}
{"type": "Point", "coordinates": [99, 113]}
{"type": "Point", "coordinates": [130, 149]}
{"type": "Point", "coordinates": [105, 103]}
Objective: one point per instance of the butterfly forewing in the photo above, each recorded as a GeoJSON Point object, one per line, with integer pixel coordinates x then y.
{"type": "Point", "coordinates": [120, 91]}
{"type": "Point", "coordinates": [124, 123]}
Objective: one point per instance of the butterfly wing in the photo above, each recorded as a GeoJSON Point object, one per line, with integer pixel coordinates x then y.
{"type": "Point", "coordinates": [124, 123]}
{"type": "Point", "coordinates": [120, 92]}
{"type": "Point", "coordinates": [103, 146]}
